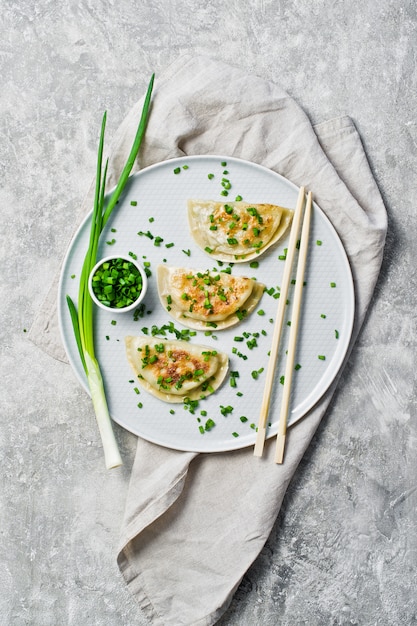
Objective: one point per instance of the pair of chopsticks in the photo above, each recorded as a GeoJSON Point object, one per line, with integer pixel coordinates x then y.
{"type": "Point", "coordinates": [295, 316]}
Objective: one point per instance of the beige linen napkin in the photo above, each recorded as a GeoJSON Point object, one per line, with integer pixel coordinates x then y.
{"type": "Point", "coordinates": [194, 523]}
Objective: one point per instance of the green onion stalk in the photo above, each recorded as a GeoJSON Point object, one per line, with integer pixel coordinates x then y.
{"type": "Point", "coordinates": [82, 318]}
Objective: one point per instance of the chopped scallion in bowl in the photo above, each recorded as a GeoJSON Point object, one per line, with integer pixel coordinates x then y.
{"type": "Point", "coordinates": [117, 283]}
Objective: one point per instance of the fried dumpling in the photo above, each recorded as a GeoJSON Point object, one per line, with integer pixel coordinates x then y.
{"type": "Point", "coordinates": [172, 370]}
{"type": "Point", "coordinates": [236, 231]}
{"type": "Point", "coordinates": [200, 299]}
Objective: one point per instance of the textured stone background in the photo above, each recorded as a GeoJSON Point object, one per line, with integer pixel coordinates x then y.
{"type": "Point", "coordinates": [344, 548]}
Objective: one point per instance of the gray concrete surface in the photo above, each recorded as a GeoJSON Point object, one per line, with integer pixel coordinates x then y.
{"type": "Point", "coordinates": [344, 548]}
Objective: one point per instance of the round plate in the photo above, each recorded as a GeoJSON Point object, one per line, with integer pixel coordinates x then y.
{"type": "Point", "coordinates": [154, 204]}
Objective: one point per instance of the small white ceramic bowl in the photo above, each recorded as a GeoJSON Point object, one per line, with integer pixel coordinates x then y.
{"type": "Point", "coordinates": [114, 309]}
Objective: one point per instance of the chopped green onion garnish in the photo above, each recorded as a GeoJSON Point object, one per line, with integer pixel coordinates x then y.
{"type": "Point", "coordinates": [117, 283]}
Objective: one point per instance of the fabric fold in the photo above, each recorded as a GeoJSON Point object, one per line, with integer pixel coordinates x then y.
{"type": "Point", "coordinates": [194, 523]}
{"type": "Point", "coordinates": [209, 553]}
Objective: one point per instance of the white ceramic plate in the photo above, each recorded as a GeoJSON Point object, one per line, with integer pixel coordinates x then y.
{"type": "Point", "coordinates": [325, 324]}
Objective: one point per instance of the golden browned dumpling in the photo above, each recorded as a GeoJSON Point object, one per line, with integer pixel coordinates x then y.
{"type": "Point", "coordinates": [236, 231]}
{"type": "Point", "coordinates": [199, 299]}
{"type": "Point", "coordinates": [172, 370]}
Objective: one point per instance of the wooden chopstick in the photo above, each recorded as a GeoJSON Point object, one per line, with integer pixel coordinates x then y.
{"type": "Point", "coordinates": [295, 317]}
{"type": "Point", "coordinates": [269, 380]}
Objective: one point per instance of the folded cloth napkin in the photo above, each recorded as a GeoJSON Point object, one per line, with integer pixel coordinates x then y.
{"type": "Point", "coordinates": [194, 523]}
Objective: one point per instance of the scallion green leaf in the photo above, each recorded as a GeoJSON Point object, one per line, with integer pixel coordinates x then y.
{"type": "Point", "coordinates": [82, 318]}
